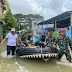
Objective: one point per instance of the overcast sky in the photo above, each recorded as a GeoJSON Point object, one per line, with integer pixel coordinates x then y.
{"type": "Point", "coordinates": [46, 8]}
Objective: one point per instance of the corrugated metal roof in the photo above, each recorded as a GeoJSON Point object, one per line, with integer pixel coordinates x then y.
{"type": "Point", "coordinates": [58, 17]}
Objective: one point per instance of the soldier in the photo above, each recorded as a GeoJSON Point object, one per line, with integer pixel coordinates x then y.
{"type": "Point", "coordinates": [29, 36]}
{"type": "Point", "coordinates": [43, 37]}
{"type": "Point", "coordinates": [51, 40]}
{"type": "Point", "coordinates": [23, 39]}
{"type": "Point", "coordinates": [63, 42]}
{"type": "Point", "coordinates": [21, 34]}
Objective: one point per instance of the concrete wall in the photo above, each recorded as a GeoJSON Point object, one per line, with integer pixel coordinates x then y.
{"type": "Point", "coordinates": [34, 25]}
{"type": "Point", "coordinates": [2, 10]}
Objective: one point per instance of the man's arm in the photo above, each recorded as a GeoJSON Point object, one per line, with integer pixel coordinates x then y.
{"type": "Point", "coordinates": [17, 41]}
{"type": "Point", "coordinates": [21, 41]}
{"type": "Point", "coordinates": [26, 41]}
{"type": "Point", "coordinates": [7, 36]}
{"type": "Point", "coordinates": [3, 41]}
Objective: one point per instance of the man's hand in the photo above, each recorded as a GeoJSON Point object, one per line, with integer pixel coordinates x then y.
{"type": "Point", "coordinates": [44, 43]}
{"type": "Point", "coordinates": [1, 43]}
{"type": "Point", "coordinates": [19, 44]}
{"type": "Point", "coordinates": [22, 43]}
{"type": "Point", "coordinates": [27, 41]}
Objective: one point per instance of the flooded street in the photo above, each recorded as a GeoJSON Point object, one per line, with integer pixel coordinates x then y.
{"type": "Point", "coordinates": [17, 64]}
{"type": "Point", "coordinates": [40, 26]}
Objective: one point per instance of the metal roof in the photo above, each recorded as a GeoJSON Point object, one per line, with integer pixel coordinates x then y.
{"type": "Point", "coordinates": [57, 18]}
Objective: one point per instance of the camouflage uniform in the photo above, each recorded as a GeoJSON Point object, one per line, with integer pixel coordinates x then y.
{"type": "Point", "coordinates": [51, 40]}
{"type": "Point", "coordinates": [20, 35]}
{"type": "Point", "coordinates": [63, 44]}
{"type": "Point", "coordinates": [23, 39]}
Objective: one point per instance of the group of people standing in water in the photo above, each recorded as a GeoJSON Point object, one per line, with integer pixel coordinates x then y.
{"type": "Point", "coordinates": [62, 41]}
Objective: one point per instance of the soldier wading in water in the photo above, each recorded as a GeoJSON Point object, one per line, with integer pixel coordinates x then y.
{"type": "Point", "coordinates": [64, 42]}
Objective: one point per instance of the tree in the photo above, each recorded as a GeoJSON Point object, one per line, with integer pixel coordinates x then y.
{"type": "Point", "coordinates": [56, 34]}
{"type": "Point", "coordinates": [9, 21]}
{"type": "Point", "coordinates": [20, 18]}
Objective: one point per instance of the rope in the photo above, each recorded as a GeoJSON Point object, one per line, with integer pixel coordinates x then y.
{"type": "Point", "coordinates": [43, 57]}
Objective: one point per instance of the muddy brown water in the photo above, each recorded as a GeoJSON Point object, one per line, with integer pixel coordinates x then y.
{"type": "Point", "coordinates": [17, 64]}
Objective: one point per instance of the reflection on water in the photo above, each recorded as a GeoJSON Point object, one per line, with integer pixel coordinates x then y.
{"type": "Point", "coordinates": [16, 64]}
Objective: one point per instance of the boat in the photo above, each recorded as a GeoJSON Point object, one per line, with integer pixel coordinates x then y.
{"type": "Point", "coordinates": [36, 52]}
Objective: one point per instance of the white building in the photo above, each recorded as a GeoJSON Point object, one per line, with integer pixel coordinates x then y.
{"type": "Point", "coordinates": [35, 26]}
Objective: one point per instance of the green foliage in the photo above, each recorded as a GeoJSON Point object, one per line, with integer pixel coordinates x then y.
{"type": "Point", "coordinates": [7, 5]}
{"type": "Point", "coordinates": [29, 31]}
{"type": "Point", "coordinates": [9, 21]}
{"type": "Point", "coordinates": [56, 34]}
{"type": "Point", "coordinates": [17, 16]}
{"type": "Point", "coordinates": [35, 16]}
{"type": "Point", "coordinates": [25, 27]}
{"type": "Point", "coordinates": [20, 18]}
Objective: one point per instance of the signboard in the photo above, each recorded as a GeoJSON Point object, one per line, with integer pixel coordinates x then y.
{"type": "Point", "coordinates": [44, 26]}
{"type": "Point", "coordinates": [40, 26]}
{"type": "Point", "coordinates": [49, 25]}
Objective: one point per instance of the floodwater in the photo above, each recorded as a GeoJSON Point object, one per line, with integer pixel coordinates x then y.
{"type": "Point", "coordinates": [17, 64]}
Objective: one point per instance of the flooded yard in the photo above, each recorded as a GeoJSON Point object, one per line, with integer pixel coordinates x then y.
{"type": "Point", "coordinates": [17, 64]}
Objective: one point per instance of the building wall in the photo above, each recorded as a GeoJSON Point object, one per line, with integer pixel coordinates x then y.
{"type": "Point", "coordinates": [34, 25]}
{"type": "Point", "coordinates": [2, 9]}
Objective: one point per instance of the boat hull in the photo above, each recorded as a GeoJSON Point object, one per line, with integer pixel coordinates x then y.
{"type": "Point", "coordinates": [37, 52]}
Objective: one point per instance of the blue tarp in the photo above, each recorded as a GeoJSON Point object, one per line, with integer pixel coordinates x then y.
{"type": "Point", "coordinates": [37, 39]}
{"type": "Point", "coordinates": [44, 31]}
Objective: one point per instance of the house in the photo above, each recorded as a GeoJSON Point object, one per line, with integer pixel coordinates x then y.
{"type": "Point", "coordinates": [2, 9]}
{"type": "Point", "coordinates": [62, 21]}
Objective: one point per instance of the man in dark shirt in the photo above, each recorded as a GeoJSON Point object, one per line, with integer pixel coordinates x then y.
{"type": "Point", "coordinates": [43, 37]}
{"type": "Point", "coordinates": [29, 36]}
